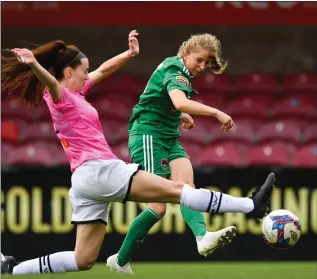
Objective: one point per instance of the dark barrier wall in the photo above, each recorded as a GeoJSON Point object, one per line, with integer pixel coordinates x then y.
{"type": "Point", "coordinates": [35, 217]}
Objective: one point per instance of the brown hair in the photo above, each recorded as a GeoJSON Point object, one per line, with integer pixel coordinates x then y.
{"type": "Point", "coordinates": [18, 79]}
{"type": "Point", "coordinates": [206, 41]}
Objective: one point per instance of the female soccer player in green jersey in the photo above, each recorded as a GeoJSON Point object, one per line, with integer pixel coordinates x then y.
{"type": "Point", "coordinates": [153, 143]}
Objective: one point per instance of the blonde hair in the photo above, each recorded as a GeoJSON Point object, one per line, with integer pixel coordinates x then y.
{"type": "Point", "coordinates": [206, 41]}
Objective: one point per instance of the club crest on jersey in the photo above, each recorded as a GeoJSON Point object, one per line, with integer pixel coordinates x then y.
{"type": "Point", "coordinates": [181, 80]}
{"type": "Point", "coordinates": [164, 164]}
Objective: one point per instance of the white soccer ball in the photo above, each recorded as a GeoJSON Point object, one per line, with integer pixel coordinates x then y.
{"type": "Point", "coordinates": [281, 229]}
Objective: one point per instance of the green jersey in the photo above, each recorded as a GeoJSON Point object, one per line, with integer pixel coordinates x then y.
{"type": "Point", "coordinates": [155, 113]}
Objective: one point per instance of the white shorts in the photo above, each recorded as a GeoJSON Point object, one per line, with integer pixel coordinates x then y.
{"type": "Point", "coordinates": [95, 184]}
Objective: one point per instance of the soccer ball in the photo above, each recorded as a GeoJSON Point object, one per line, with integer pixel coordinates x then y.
{"type": "Point", "coordinates": [281, 229]}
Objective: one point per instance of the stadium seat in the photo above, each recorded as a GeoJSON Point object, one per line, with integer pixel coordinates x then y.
{"type": "Point", "coordinates": [300, 83]}
{"type": "Point", "coordinates": [261, 83]}
{"type": "Point", "coordinates": [60, 158]}
{"type": "Point", "coordinates": [193, 152]}
{"type": "Point", "coordinates": [113, 111]}
{"type": "Point", "coordinates": [294, 107]}
{"type": "Point", "coordinates": [209, 99]}
{"type": "Point", "coordinates": [268, 155]}
{"type": "Point", "coordinates": [288, 131]}
{"type": "Point", "coordinates": [9, 131]}
{"type": "Point", "coordinates": [240, 133]}
{"type": "Point", "coordinates": [6, 149]}
{"type": "Point", "coordinates": [121, 83]}
{"type": "Point", "coordinates": [255, 97]}
{"type": "Point", "coordinates": [39, 131]}
{"type": "Point", "coordinates": [253, 123]}
{"type": "Point", "coordinates": [220, 155]}
{"type": "Point", "coordinates": [41, 113]}
{"type": "Point", "coordinates": [13, 109]}
{"type": "Point", "coordinates": [246, 107]}
{"type": "Point", "coordinates": [122, 151]}
{"type": "Point", "coordinates": [310, 134]}
{"type": "Point", "coordinates": [198, 135]}
{"type": "Point", "coordinates": [121, 133]}
{"type": "Point", "coordinates": [30, 155]}
{"type": "Point", "coordinates": [306, 156]}
{"type": "Point", "coordinates": [111, 128]}
{"type": "Point", "coordinates": [142, 83]}
{"type": "Point", "coordinates": [210, 83]}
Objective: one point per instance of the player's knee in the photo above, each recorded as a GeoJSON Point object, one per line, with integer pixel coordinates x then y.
{"type": "Point", "coordinates": [160, 209]}
{"type": "Point", "coordinates": [178, 185]}
{"type": "Point", "coordinates": [85, 263]}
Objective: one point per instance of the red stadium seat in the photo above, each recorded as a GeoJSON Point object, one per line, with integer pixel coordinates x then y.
{"type": "Point", "coordinates": [111, 128]}
{"type": "Point", "coordinates": [310, 134]}
{"type": "Point", "coordinates": [121, 83]}
{"type": "Point", "coordinates": [220, 155]}
{"type": "Point", "coordinates": [9, 131]}
{"type": "Point", "coordinates": [246, 107]}
{"type": "Point", "coordinates": [261, 83]}
{"type": "Point", "coordinates": [253, 123]}
{"type": "Point", "coordinates": [306, 156]}
{"type": "Point", "coordinates": [13, 109]}
{"type": "Point", "coordinates": [240, 132]}
{"type": "Point", "coordinates": [288, 131]}
{"type": "Point", "coordinates": [60, 158]}
{"type": "Point", "coordinates": [294, 107]}
{"type": "Point", "coordinates": [121, 133]}
{"type": "Point", "coordinates": [113, 111]}
{"type": "Point", "coordinates": [39, 131]}
{"type": "Point", "coordinates": [268, 155]}
{"type": "Point", "coordinates": [6, 149]}
{"type": "Point", "coordinates": [142, 83]}
{"type": "Point", "coordinates": [255, 97]}
{"type": "Point", "coordinates": [122, 151]}
{"type": "Point", "coordinates": [30, 155]}
{"type": "Point", "coordinates": [210, 83]}
{"type": "Point", "coordinates": [300, 83]}
{"type": "Point", "coordinates": [198, 135]}
{"type": "Point", "coordinates": [193, 152]}
{"type": "Point", "coordinates": [209, 99]}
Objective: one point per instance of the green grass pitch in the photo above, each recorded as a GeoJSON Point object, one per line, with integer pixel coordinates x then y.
{"type": "Point", "coordinates": [188, 270]}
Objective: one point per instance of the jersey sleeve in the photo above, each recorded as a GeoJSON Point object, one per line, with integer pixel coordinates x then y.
{"type": "Point", "coordinates": [87, 86]}
{"type": "Point", "coordinates": [175, 79]}
{"type": "Point", "coordinates": [64, 102]}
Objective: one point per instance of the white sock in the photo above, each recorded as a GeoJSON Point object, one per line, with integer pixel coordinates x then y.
{"type": "Point", "coordinates": [55, 263]}
{"type": "Point", "coordinates": [214, 202]}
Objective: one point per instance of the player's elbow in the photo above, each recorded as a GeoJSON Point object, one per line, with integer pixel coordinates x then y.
{"type": "Point", "coordinates": [181, 106]}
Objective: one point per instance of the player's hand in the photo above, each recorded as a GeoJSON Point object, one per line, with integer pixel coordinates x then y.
{"type": "Point", "coordinates": [187, 121]}
{"type": "Point", "coordinates": [226, 121]}
{"type": "Point", "coordinates": [24, 55]}
{"type": "Point", "coordinates": [134, 48]}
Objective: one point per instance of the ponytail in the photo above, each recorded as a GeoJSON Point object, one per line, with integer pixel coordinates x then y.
{"type": "Point", "coordinates": [18, 79]}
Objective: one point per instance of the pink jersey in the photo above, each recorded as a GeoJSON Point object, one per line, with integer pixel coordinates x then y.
{"type": "Point", "coordinates": [77, 125]}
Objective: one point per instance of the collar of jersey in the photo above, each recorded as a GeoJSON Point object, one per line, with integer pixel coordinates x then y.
{"type": "Point", "coordinates": [185, 70]}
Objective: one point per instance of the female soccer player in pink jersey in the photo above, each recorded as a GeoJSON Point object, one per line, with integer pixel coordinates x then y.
{"type": "Point", "coordinates": [99, 177]}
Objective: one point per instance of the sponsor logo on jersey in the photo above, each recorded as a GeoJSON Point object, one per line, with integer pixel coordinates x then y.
{"type": "Point", "coordinates": [181, 80]}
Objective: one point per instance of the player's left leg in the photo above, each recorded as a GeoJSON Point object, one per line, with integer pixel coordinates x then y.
{"type": "Point", "coordinates": [207, 242]}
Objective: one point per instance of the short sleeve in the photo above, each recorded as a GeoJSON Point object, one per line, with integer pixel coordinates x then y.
{"type": "Point", "coordinates": [87, 86]}
{"type": "Point", "coordinates": [65, 101]}
{"type": "Point", "coordinates": [175, 79]}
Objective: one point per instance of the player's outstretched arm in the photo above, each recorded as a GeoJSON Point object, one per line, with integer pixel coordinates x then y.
{"type": "Point", "coordinates": [182, 104]}
{"type": "Point", "coordinates": [115, 63]}
{"type": "Point", "coordinates": [26, 56]}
